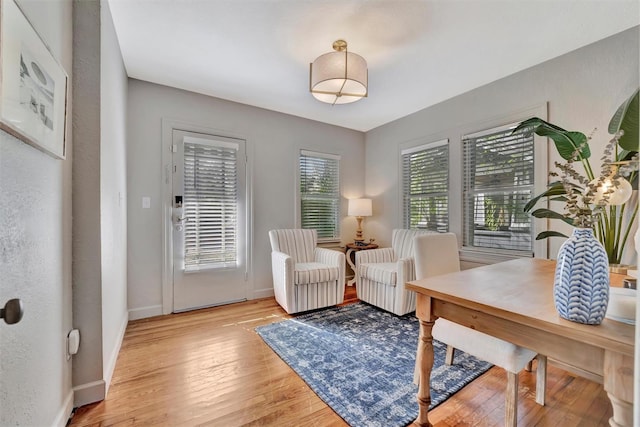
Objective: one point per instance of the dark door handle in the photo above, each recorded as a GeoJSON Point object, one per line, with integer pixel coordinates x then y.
{"type": "Point", "coordinates": [12, 311]}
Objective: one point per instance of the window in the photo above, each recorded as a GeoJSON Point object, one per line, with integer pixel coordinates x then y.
{"type": "Point", "coordinates": [498, 181]}
{"type": "Point", "coordinates": [425, 186]}
{"type": "Point", "coordinates": [210, 203]}
{"type": "Point", "coordinates": [320, 193]}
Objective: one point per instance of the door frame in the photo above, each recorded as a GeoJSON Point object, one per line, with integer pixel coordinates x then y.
{"type": "Point", "coordinates": [168, 126]}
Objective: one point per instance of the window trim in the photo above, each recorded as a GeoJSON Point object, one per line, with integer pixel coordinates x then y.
{"type": "Point", "coordinates": [503, 131]}
{"type": "Point", "coordinates": [298, 202]}
{"type": "Point", "coordinates": [541, 248]}
{"type": "Point", "coordinates": [416, 149]}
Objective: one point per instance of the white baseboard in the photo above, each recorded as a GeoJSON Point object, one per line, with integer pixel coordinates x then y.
{"type": "Point", "coordinates": [84, 394]}
{"type": "Point", "coordinates": [144, 312]}
{"type": "Point", "coordinates": [65, 411]}
{"type": "Point", "coordinates": [113, 357]}
{"type": "Point", "coordinates": [263, 293]}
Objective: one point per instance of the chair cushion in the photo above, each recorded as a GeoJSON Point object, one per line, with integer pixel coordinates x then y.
{"type": "Point", "coordinates": [314, 272]}
{"type": "Point", "coordinates": [506, 355]}
{"type": "Point", "coordinates": [381, 272]}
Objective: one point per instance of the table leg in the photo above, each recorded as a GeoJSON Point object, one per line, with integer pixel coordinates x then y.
{"type": "Point", "coordinates": [618, 383]}
{"type": "Point", "coordinates": [352, 264]}
{"type": "Point", "coordinates": [424, 360]}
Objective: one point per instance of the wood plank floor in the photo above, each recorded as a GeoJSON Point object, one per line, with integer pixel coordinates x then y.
{"type": "Point", "coordinates": [209, 367]}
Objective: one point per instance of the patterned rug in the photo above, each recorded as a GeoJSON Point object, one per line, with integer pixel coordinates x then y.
{"type": "Point", "coordinates": [360, 361]}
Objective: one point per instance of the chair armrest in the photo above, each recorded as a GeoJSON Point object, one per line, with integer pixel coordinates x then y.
{"type": "Point", "coordinates": [281, 257]}
{"type": "Point", "coordinates": [329, 256]}
{"type": "Point", "coordinates": [282, 267]}
{"type": "Point", "coordinates": [375, 255]}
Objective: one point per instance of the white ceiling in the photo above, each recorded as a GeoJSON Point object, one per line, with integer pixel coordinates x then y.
{"type": "Point", "coordinates": [419, 52]}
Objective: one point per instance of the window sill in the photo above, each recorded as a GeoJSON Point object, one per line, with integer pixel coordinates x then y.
{"type": "Point", "coordinates": [490, 256]}
{"type": "Point", "coordinates": [329, 242]}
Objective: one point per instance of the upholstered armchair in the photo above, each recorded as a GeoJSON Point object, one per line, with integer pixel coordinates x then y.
{"type": "Point", "coordinates": [305, 277]}
{"type": "Point", "coordinates": [437, 254]}
{"type": "Point", "coordinates": [382, 273]}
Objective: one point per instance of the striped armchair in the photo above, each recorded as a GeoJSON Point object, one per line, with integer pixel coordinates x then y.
{"type": "Point", "coordinates": [382, 273]}
{"type": "Point", "coordinates": [305, 277]}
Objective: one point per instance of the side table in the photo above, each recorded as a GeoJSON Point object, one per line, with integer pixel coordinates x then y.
{"type": "Point", "coordinates": [352, 248]}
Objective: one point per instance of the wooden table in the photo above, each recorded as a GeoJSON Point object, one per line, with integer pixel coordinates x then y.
{"type": "Point", "coordinates": [352, 248]}
{"type": "Point", "coordinates": [513, 300]}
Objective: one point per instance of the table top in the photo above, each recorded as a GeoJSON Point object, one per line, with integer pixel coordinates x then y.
{"type": "Point", "coordinates": [521, 291]}
{"type": "Point", "coordinates": [362, 247]}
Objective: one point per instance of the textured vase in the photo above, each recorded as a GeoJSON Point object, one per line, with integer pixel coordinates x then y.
{"type": "Point", "coordinates": [581, 287]}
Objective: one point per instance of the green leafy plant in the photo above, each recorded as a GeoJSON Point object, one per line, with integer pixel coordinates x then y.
{"type": "Point", "coordinates": [586, 203]}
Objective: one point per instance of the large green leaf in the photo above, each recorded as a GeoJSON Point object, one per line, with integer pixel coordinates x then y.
{"type": "Point", "coordinates": [626, 118]}
{"type": "Point", "coordinates": [567, 142]}
{"type": "Point", "coordinates": [548, 213]}
{"type": "Point", "coordinates": [535, 122]}
{"type": "Point", "coordinates": [555, 189]}
{"type": "Point", "coordinates": [546, 234]}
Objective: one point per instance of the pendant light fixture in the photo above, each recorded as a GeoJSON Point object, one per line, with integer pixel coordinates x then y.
{"type": "Point", "coordinates": [339, 77]}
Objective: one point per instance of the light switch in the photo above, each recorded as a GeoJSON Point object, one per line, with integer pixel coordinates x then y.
{"type": "Point", "coordinates": [146, 202]}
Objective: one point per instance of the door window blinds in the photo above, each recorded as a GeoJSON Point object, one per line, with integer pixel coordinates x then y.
{"type": "Point", "coordinates": [425, 186]}
{"type": "Point", "coordinates": [210, 204]}
{"type": "Point", "coordinates": [498, 182]}
{"type": "Point", "coordinates": [320, 193]}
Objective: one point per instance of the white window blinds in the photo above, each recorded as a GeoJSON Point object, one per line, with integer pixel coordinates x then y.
{"type": "Point", "coordinates": [425, 186]}
{"type": "Point", "coordinates": [210, 204]}
{"type": "Point", "coordinates": [498, 182]}
{"type": "Point", "coordinates": [320, 193]}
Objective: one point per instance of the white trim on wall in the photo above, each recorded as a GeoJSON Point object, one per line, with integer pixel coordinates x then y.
{"type": "Point", "coordinates": [62, 418]}
{"type": "Point", "coordinates": [91, 392]}
{"type": "Point", "coordinates": [110, 366]}
{"type": "Point", "coordinates": [143, 312]}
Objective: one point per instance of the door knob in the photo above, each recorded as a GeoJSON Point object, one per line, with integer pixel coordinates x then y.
{"type": "Point", "coordinates": [12, 311]}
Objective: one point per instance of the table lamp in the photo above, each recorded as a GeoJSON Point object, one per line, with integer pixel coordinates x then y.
{"type": "Point", "coordinates": [359, 208]}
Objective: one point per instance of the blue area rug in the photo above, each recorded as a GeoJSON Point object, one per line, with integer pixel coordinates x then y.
{"type": "Point", "coordinates": [360, 361]}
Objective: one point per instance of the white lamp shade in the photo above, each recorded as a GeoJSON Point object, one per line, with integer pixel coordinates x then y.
{"type": "Point", "coordinates": [359, 207]}
{"type": "Point", "coordinates": [339, 77]}
{"type": "Point", "coordinates": [620, 194]}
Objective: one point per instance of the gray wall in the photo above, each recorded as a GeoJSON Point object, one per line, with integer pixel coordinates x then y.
{"type": "Point", "coordinates": [582, 88]}
{"type": "Point", "coordinates": [273, 144]}
{"type": "Point", "coordinates": [35, 257]}
{"type": "Point", "coordinates": [99, 190]}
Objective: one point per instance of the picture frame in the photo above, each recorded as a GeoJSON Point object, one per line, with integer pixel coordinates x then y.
{"type": "Point", "coordinates": [33, 85]}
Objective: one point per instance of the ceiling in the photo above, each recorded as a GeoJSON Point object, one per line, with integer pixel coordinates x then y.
{"type": "Point", "coordinates": [419, 52]}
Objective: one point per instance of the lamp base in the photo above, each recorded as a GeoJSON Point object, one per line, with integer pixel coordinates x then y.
{"type": "Point", "coordinates": [359, 237]}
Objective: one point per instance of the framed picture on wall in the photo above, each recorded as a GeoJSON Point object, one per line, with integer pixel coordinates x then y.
{"type": "Point", "coordinates": [33, 85]}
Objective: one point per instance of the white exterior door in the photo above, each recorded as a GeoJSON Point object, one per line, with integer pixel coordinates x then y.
{"type": "Point", "coordinates": [209, 220]}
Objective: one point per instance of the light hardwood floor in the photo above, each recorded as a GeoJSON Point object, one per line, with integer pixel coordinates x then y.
{"type": "Point", "coordinates": [209, 367]}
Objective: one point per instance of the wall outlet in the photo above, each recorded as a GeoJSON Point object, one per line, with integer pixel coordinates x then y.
{"type": "Point", "coordinates": [73, 342]}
